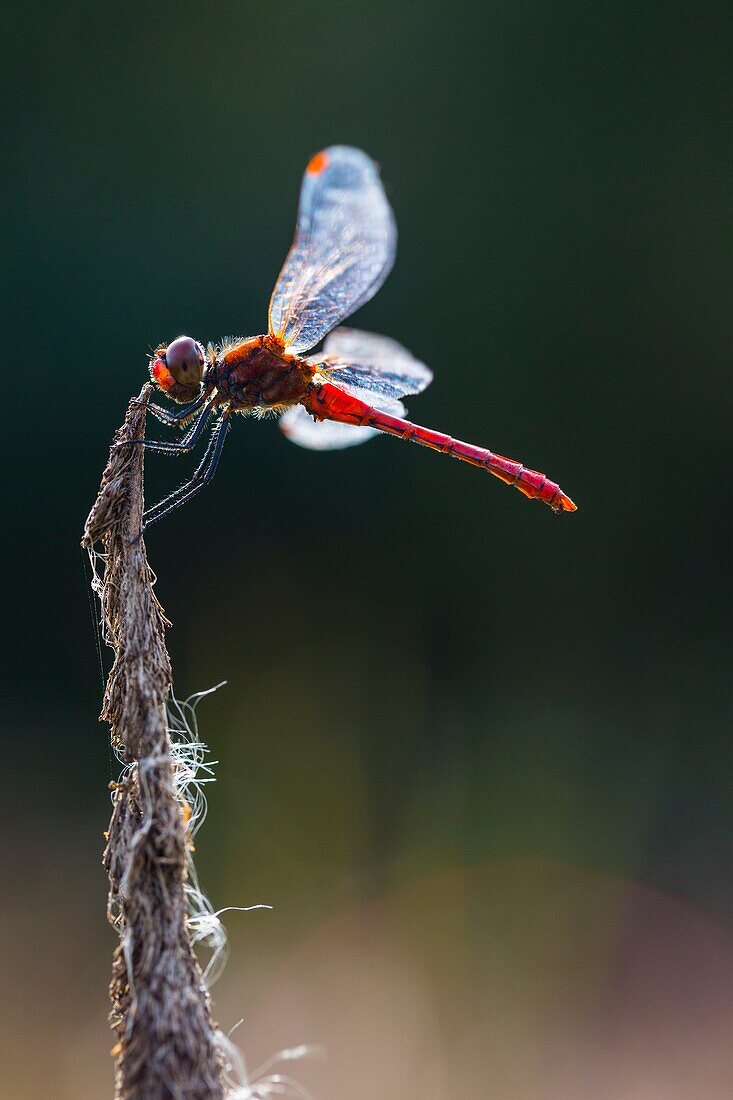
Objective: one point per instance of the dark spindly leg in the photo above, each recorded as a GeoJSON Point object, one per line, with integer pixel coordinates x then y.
{"type": "Point", "coordinates": [184, 445]}
{"type": "Point", "coordinates": [201, 477]}
{"type": "Point", "coordinates": [173, 418]}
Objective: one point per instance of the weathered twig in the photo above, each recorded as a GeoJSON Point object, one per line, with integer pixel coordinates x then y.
{"type": "Point", "coordinates": [167, 1043]}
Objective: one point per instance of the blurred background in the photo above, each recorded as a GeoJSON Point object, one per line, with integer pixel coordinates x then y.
{"type": "Point", "coordinates": [477, 757]}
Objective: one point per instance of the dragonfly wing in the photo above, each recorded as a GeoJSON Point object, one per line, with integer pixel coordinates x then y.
{"type": "Point", "coordinates": [323, 435]}
{"type": "Point", "coordinates": [326, 435]}
{"type": "Point", "coordinates": [344, 248]}
{"type": "Point", "coordinates": [373, 363]}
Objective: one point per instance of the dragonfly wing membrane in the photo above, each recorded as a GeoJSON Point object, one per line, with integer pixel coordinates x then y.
{"type": "Point", "coordinates": [322, 435]}
{"type": "Point", "coordinates": [372, 363]}
{"type": "Point", "coordinates": [344, 248]}
{"type": "Point", "coordinates": [328, 435]}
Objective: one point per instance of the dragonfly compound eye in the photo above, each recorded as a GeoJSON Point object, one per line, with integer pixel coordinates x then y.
{"type": "Point", "coordinates": [178, 369]}
{"type": "Point", "coordinates": [185, 360]}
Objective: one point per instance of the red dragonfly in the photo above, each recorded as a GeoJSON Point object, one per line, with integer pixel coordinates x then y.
{"type": "Point", "coordinates": [344, 248]}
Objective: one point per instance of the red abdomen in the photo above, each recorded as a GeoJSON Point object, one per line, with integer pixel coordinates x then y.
{"type": "Point", "coordinates": [328, 402]}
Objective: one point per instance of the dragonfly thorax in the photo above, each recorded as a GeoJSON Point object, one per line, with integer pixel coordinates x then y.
{"type": "Point", "coordinates": [259, 373]}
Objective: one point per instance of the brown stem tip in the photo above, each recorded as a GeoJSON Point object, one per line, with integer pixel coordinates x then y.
{"type": "Point", "coordinates": [167, 1044]}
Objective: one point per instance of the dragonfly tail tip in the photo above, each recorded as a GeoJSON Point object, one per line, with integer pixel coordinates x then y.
{"type": "Point", "coordinates": [565, 504]}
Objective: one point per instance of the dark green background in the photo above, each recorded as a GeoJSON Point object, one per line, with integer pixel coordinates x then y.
{"type": "Point", "coordinates": [426, 672]}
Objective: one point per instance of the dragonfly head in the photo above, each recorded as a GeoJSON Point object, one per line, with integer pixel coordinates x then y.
{"type": "Point", "coordinates": [178, 368]}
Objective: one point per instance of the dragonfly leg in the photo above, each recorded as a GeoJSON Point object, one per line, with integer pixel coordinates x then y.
{"type": "Point", "coordinates": [171, 419]}
{"type": "Point", "coordinates": [202, 475]}
{"type": "Point", "coordinates": [184, 445]}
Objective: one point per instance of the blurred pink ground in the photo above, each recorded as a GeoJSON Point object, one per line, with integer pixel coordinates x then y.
{"type": "Point", "coordinates": [523, 979]}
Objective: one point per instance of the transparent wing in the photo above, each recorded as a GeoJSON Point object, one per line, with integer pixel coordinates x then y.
{"type": "Point", "coordinates": [322, 435]}
{"type": "Point", "coordinates": [373, 363]}
{"type": "Point", "coordinates": [326, 435]}
{"type": "Point", "coordinates": [344, 248]}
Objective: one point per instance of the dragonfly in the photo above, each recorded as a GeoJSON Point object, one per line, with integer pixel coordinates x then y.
{"type": "Point", "coordinates": [348, 392]}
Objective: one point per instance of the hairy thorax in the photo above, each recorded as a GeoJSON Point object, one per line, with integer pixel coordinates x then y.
{"type": "Point", "coordinates": [259, 373]}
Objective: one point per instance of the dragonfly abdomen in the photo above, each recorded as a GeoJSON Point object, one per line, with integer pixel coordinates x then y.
{"type": "Point", "coordinates": [328, 402]}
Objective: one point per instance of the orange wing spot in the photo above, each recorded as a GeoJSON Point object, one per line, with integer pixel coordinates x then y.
{"type": "Point", "coordinates": [316, 164]}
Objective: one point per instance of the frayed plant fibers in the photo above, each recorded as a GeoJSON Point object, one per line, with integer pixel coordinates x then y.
{"type": "Point", "coordinates": [192, 769]}
{"type": "Point", "coordinates": [168, 1045]}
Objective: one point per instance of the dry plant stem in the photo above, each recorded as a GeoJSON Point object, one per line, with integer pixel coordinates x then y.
{"type": "Point", "coordinates": [167, 1044]}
